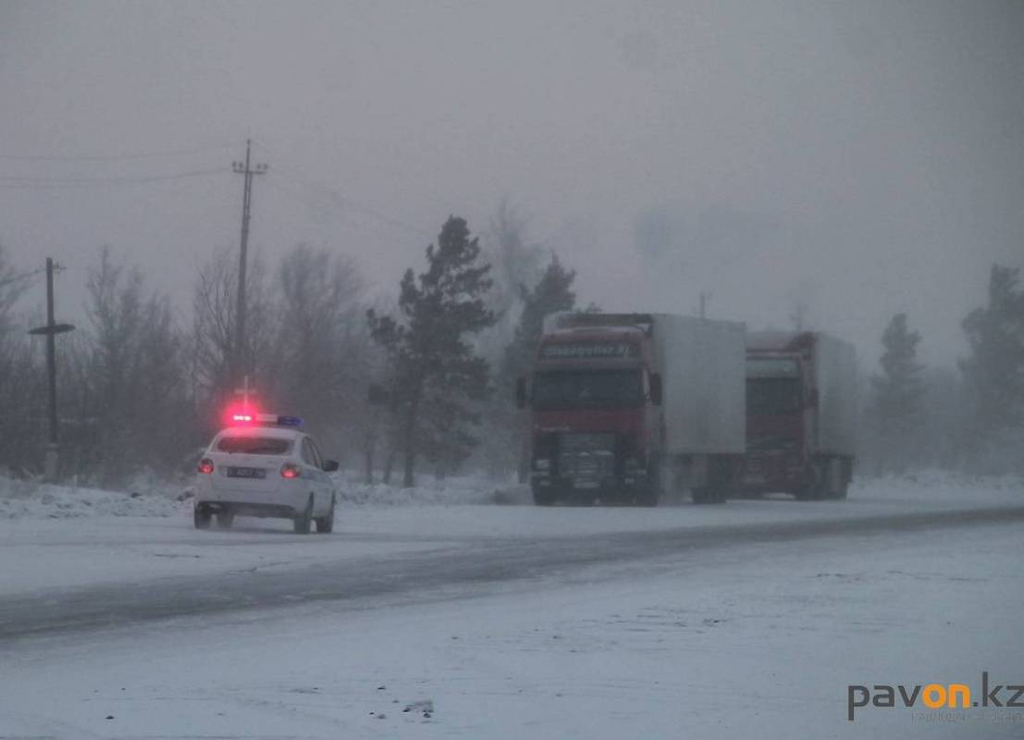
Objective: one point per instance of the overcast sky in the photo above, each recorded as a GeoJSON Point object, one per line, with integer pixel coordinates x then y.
{"type": "Point", "coordinates": [861, 158]}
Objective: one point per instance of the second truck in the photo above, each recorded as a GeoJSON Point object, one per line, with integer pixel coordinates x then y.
{"type": "Point", "coordinates": [801, 414]}
{"type": "Point", "coordinates": [625, 406]}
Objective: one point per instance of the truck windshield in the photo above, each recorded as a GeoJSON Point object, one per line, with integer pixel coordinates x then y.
{"type": "Point", "coordinates": [773, 396]}
{"type": "Point", "coordinates": [569, 389]}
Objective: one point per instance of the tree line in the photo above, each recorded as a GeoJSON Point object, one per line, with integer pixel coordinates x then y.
{"type": "Point", "coordinates": [419, 382]}
{"type": "Point", "coordinates": [141, 390]}
{"type": "Point", "coordinates": [970, 418]}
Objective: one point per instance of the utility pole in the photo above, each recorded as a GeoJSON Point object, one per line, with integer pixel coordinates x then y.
{"type": "Point", "coordinates": [704, 298]}
{"type": "Point", "coordinates": [51, 330]}
{"type": "Point", "coordinates": [799, 316]}
{"type": "Point", "coordinates": [238, 361]}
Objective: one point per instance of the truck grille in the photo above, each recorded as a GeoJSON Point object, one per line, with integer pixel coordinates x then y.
{"type": "Point", "coordinates": [772, 444]}
{"type": "Point", "coordinates": [587, 455]}
{"type": "Point", "coordinates": [577, 443]}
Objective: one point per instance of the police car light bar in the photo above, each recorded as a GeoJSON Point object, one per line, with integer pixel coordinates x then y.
{"type": "Point", "coordinates": [249, 417]}
{"type": "Point", "coordinates": [277, 420]}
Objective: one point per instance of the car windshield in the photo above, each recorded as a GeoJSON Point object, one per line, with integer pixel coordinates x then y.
{"type": "Point", "coordinates": [564, 389]}
{"type": "Point", "coordinates": [773, 396]}
{"type": "Point", "coordinates": [254, 445]}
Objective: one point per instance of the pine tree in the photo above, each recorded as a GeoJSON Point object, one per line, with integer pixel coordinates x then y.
{"type": "Point", "coordinates": [436, 377]}
{"type": "Point", "coordinates": [553, 292]}
{"type": "Point", "coordinates": [897, 394]}
{"type": "Point", "coordinates": [994, 371]}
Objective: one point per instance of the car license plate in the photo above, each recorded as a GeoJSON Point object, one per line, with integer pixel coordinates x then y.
{"type": "Point", "coordinates": [584, 483]}
{"type": "Point", "coordinates": [254, 473]}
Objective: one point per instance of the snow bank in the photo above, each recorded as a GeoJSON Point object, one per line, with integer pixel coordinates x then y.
{"type": "Point", "coordinates": [151, 498]}
{"type": "Point", "coordinates": [466, 489]}
{"type": "Point", "coordinates": [35, 499]}
{"type": "Point", "coordinates": [937, 482]}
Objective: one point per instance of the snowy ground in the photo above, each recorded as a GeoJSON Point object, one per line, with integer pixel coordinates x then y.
{"type": "Point", "coordinates": [746, 620]}
{"type": "Point", "coordinates": [758, 641]}
{"type": "Point", "coordinates": [62, 537]}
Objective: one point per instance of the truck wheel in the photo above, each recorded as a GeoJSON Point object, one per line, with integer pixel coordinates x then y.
{"type": "Point", "coordinates": [842, 478]}
{"type": "Point", "coordinates": [647, 497]}
{"type": "Point", "coordinates": [846, 473]}
{"type": "Point", "coordinates": [543, 497]}
{"type": "Point", "coordinates": [201, 516]}
{"type": "Point", "coordinates": [701, 496]}
{"type": "Point", "coordinates": [650, 493]}
{"type": "Point", "coordinates": [304, 520]}
{"type": "Point", "coordinates": [817, 489]}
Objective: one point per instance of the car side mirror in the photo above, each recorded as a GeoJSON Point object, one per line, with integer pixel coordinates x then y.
{"type": "Point", "coordinates": [330, 466]}
{"type": "Point", "coordinates": [656, 390]}
{"type": "Point", "coordinates": [521, 392]}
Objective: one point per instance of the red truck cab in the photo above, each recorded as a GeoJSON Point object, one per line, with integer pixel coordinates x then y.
{"type": "Point", "coordinates": [596, 424]}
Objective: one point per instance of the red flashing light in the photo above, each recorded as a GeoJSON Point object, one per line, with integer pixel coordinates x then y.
{"type": "Point", "coordinates": [290, 470]}
{"type": "Point", "coordinates": [239, 415]}
{"type": "Point", "coordinates": [206, 466]}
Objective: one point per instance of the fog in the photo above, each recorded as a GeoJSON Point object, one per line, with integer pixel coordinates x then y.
{"type": "Point", "coordinates": [855, 160]}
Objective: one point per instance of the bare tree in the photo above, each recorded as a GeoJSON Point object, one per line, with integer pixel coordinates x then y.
{"type": "Point", "coordinates": [319, 364]}
{"type": "Point", "coordinates": [20, 377]}
{"type": "Point", "coordinates": [213, 331]}
{"type": "Point", "coordinates": [133, 412]}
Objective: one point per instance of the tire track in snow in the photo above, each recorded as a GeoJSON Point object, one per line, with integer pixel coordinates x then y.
{"type": "Point", "coordinates": [357, 582]}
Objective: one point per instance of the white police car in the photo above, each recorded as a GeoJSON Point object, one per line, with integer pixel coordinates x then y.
{"type": "Point", "coordinates": [264, 465]}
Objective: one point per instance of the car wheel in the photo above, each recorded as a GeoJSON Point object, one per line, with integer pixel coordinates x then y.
{"type": "Point", "coordinates": [201, 516]}
{"type": "Point", "coordinates": [225, 519]}
{"type": "Point", "coordinates": [304, 520]}
{"type": "Point", "coordinates": [325, 524]}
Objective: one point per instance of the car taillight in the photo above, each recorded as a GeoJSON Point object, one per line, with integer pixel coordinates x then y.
{"type": "Point", "coordinates": [289, 470]}
{"type": "Point", "coordinates": [206, 465]}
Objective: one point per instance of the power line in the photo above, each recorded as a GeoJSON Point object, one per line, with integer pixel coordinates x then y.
{"type": "Point", "coordinates": [24, 276]}
{"type": "Point", "coordinates": [342, 203]}
{"type": "Point", "coordinates": [345, 203]}
{"type": "Point", "coordinates": [43, 183]}
{"type": "Point", "coordinates": [330, 209]}
{"type": "Point", "coordinates": [111, 157]}
{"type": "Point", "coordinates": [322, 207]}
{"type": "Point", "coordinates": [113, 180]}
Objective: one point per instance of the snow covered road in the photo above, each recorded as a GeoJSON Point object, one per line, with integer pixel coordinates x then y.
{"type": "Point", "coordinates": [743, 620]}
{"type": "Point", "coordinates": [94, 572]}
{"type": "Point", "coordinates": [757, 639]}
{"type": "Point", "coordinates": [391, 567]}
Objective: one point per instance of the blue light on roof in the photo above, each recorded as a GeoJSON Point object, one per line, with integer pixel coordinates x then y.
{"type": "Point", "coordinates": [289, 421]}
